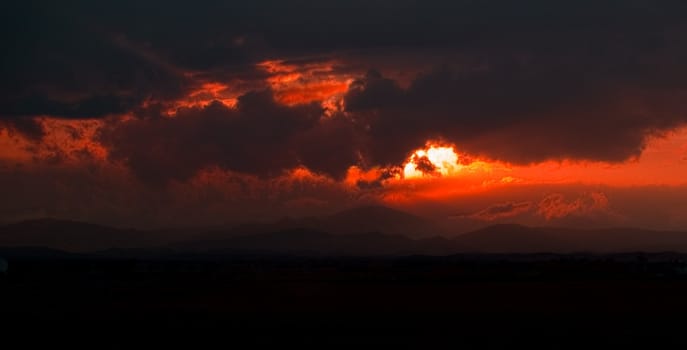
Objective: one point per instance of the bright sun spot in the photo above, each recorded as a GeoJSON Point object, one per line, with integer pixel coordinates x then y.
{"type": "Point", "coordinates": [432, 160]}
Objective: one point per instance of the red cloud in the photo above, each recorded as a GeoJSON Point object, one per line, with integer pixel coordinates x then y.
{"type": "Point", "coordinates": [555, 206]}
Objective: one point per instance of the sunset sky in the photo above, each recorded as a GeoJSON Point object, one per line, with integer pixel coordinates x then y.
{"type": "Point", "coordinates": [165, 114]}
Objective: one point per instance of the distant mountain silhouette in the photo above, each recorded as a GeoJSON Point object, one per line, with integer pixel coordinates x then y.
{"type": "Point", "coordinates": [378, 219]}
{"type": "Point", "coordinates": [73, 236]}
{"type": "Point", "coordinates": [522, 239]}
{"type": "Point", "coordinates": [356, 220]}
{"type": "Point", "coordinates": [360, 231]}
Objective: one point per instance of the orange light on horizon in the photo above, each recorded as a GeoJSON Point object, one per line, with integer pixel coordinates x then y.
{"type": "Point", "coordinates": [438, 171]}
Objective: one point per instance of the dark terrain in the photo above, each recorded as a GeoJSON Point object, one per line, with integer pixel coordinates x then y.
{"type": "Point", "coordinates": [548, 300]}
{"type": "Point", "coordinates": [78, 284]}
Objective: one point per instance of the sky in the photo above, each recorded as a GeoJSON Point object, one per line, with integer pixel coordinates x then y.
{"type": "Point", "coordinates": [170, 113]}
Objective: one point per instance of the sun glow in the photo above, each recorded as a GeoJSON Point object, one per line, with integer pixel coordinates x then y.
{"type": "Point", "coordinates": [444, 161]}
{"type": "Point", "coordinates": [435, 160]}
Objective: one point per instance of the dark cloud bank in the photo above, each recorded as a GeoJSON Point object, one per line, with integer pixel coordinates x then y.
{"type": "Point", "coordinates": [519, 81]}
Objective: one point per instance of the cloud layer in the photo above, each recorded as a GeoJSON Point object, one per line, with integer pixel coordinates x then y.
{"type": "Point", "coordinates": [526, 83]}
{"type": "Point", "coordinates": [169, 92]}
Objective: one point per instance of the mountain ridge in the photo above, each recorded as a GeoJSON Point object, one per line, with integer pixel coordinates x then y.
{"type": "Point", "coordinates": [360, 230]}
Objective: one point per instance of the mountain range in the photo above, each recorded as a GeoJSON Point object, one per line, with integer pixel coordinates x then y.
{"type": "Point", "coordinates": [371, 230]}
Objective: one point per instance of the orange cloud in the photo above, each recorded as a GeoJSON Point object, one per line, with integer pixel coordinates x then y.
{"type": "Point", "coordinates": [500, 211]}
{"type": "Point", "coordinates": [13, 148]}
{"type": "Point", "coordinates": [70, 141]}
{"type": "Point", "coordinates": [556, 206]}
{"type": "Point", "coordinates": [296, 84]}
{"type": "Point", "coordinates": [205, 94]}
{"type": "Point", "coordinates": [291, 84]}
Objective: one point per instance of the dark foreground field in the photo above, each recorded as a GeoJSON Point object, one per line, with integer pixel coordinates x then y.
{"type": "Point", "coordinates": [553, 301]}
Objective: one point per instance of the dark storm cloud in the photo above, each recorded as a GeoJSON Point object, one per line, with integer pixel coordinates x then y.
{"type": "Point", "coordinates": [329, 147]}
{"type": "Point", "coordinates": [520, 111]}
{"type": "Point", "coordinates": [95, 106]}
{"type": "Point", "coordinates": [259, 137]}
{"type": "Point", "coordinates": [521, 81]}
{"type": "Point", "coordinates": [61, 62]}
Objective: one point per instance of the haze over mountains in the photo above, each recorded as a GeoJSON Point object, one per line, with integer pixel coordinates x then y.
{"type": "Point", "coordinates": [363, 219]}
{"type": "Point", "coordinates": [371, 230]}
